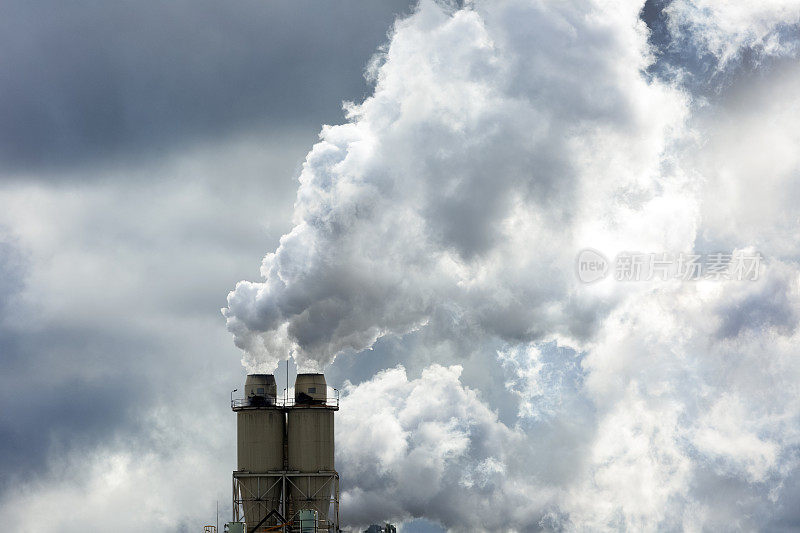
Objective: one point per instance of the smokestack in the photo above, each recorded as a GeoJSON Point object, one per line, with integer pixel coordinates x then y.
{"type": "Point", "coordinates": [310, 444]}
{"type": "Point", "coordinates": [260, 428]}
{"type": "Point", "coordinates": [285, 477]}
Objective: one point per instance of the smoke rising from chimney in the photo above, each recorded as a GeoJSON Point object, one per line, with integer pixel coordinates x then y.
{"type": "Point", "coordinates": [455, 197]}
{"type": "Point", "coordinates": [502, 139]}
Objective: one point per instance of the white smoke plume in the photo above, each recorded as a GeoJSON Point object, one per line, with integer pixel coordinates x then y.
{"type": "Point", "coordinates": [683, 416]}
{"type": "Point", "coordinates": [502, 138]}
{"type": "Point", "coordinates": [497, 142]}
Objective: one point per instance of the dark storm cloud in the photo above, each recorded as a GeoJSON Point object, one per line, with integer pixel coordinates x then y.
{"type": "Point", "coordinates": [63, 389]}
{"type": "Point", "coordinates": [55, 417]}
{"type": "Point", "coordinates": [11, 267]}
{"type": "Point", "coordinates": [85, 79]}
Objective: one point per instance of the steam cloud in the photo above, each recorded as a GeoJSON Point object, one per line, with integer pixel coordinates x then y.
{"type": "Point", "coordinates": [500, 139]}
{"type": "Point", "coordinates": [458, 193]}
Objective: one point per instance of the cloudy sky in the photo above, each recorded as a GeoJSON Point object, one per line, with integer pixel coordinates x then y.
{"type": "Point", "coordinates": [397, 194]}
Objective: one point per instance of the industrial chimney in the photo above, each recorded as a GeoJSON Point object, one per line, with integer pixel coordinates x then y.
{"type": "Point", "coordinates": [260, 429]}
{"type": "Point", "coordinates": [310, 445]}
{"type": "Point", "coordinates": [285, 478]}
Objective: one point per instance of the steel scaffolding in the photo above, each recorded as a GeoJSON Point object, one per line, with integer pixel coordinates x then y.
{"type": "Point", "coordinates": [288, 507]}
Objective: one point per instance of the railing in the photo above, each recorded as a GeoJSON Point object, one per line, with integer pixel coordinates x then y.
{"type": "Point", "coordinates": [260, 402]}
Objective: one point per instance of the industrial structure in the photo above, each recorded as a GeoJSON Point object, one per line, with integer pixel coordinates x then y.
{"type": "Point", "coordinates": [386, 528]}
{"type": "Point", "coordinates": [285, 478]}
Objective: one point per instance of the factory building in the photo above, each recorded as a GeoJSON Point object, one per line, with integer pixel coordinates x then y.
{"type": "Point", "coordinates": [285, 478]}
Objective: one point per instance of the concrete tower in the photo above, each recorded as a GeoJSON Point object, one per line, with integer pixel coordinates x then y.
{"type": "Point", "coordinates": [260, 430]}
{"type": "Point", "coordinates": [286, 478]}
{"type": "Point", "coordinates": [310, 446]}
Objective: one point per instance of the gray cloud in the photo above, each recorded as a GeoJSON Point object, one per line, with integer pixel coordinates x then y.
{"type": "Point", "coordinates": [111, 348]}
{"type": "Point", "coordinates": [121, 80]}
{"type": "Point", "coordinates": [767, 305]}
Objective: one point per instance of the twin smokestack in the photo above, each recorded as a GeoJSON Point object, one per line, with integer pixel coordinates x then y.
{"type": "Point", "coordinates": [285, 478]}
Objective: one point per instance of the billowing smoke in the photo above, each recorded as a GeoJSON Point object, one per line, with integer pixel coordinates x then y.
{"type": "Point", "coordinates": [500, 140]}
{"type": "Point", "coordinates": [497, 142]}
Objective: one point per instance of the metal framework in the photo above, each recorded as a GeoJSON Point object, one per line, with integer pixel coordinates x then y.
{"type": "Point", "coordinates": [267, 481]}
{"type": "Point", "coordinates": [242, 404]}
